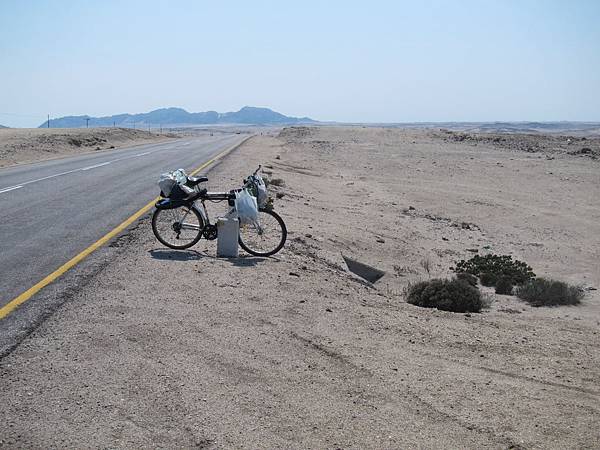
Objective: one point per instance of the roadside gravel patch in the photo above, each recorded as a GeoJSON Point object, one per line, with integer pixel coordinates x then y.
{"type": "Point", "coordinates": [179, 349]}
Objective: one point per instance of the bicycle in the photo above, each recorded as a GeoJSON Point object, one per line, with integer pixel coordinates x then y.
{"type": "Point", "coordinates": [179, 222]}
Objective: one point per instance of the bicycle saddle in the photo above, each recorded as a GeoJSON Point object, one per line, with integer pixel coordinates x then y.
{"type": "Point", "coordinates": [196, 180]}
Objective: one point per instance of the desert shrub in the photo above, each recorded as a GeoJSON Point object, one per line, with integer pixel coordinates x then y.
{"type": "Point", "coordinates": [498, 265]}
{"type": "Point", "coordinates": [468, 277]}
{"type": "Point", "coordinates": [487, 300]}
{"type": "Point", "coordinates": [504, 285]}
{"type": "Point", "coordinates": [276, 182]}
{"type": "Point", "coordinates": [548, 292]}
{"type": "Point", "coordinates": [448, 295]}
{"type": "Point", "coordinates": [488, 279]}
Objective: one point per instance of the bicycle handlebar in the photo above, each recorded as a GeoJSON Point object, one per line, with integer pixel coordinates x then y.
{"type": "Point", "coordinates": [256, 171]}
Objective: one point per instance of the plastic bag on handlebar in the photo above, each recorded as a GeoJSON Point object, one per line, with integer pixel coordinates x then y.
{"type": "Point", "coordinates": [246, 207]}
{"type": "Point", "coordinates": [261, 191]}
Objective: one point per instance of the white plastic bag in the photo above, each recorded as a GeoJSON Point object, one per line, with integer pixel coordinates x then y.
{"type": "Point", "coordinates": [246, 207]}
{"type": "Point", "coordinates": [169, 180]}
{"type": "Point", "coordinates": [261, 191]}
{"type": "Point", "coordinates": [180, 176]}
{"type": "Point", "coordinates": [166, 182]}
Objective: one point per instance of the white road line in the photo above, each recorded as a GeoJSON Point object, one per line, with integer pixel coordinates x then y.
{"type": "Point", "coordinates": [12, 188]}
{"type": "Point", "coordinates": [97, 165]}
{"type": "Point", "coordinates": [50, 176]}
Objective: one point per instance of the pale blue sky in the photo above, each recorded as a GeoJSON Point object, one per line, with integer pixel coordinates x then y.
{"type": "Point", "coordinates": [369, 61]}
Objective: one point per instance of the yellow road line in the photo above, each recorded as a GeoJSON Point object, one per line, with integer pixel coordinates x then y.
{"type": "Point", "coordinates": [14, 304]}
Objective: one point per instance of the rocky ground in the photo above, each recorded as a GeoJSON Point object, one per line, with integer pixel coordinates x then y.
{"type": "Point", "coordinates": [24, 145]}
{"type": "Point", "coordinates": [549, 144]}
{"type": "Point", "coordinates": [178, 349]}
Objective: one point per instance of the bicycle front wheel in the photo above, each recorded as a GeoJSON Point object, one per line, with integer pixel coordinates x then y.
{"type": "Point", "coordinates": [266, 237]}
{"type": "Point", "coordinates": [177, 228]}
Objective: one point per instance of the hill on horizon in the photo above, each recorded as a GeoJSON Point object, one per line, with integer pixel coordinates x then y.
{"type": "Point", "coordinates": [2, 126]}
{"type": "Point", "coordinates": [248, 115]}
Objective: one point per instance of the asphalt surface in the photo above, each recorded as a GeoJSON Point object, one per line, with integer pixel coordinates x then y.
{"type": "Point", "coordinates": [53, 210]}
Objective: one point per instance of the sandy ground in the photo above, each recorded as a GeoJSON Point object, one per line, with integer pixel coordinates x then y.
{"type": "Point", "coordinates": [25, 145]}
{"type": "Point", "coordinates": [180, 349]}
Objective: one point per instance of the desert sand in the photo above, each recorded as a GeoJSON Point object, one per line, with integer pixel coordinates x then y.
{"type": "Point", "coordinates": [26, 145]}
{"type": "Point", "coordinates": [159, 348]}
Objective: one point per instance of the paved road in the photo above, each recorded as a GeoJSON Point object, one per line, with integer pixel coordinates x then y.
{"type": "Point", "coordinates": [51, 211]}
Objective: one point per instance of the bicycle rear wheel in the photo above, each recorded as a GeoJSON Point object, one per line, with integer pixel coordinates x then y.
{"type": "Point", "coordinates": [266, 237]}
{"type": "Point", "coordinates": [177, 228]}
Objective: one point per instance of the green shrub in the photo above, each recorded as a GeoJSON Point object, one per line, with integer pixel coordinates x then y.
{"type": "Point", "coordinates": [488, 279]}
{"type": "Point", "coordinates": [448, 295]}
{"type": "Point", "coordinates": [498, 265]}
{"type": "Point", "coordinates": [548, 292]}
{"type": "Point", "coordinates": [504, 286]}
{"type": "Point", "coordinates": [468, 277]}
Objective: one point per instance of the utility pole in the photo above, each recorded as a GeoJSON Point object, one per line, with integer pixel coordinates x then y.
{"type": "Point", "coordinates": [114, 125]}
{"type": "Point", "coordinates": [87, 121]}
{"type": "Point", "coordinates": [48, 120]}
{"type": "Point", "coordinates": [134, 125]}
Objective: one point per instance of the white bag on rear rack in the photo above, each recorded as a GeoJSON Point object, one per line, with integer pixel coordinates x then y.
{"type": "Point", "coordinates": [246, 207]}
{"type": "Point", "coordinates": [166, 182]}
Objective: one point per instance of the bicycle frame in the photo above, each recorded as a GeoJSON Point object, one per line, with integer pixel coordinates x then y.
{"type": "Point", "coordinates": [216, 197]}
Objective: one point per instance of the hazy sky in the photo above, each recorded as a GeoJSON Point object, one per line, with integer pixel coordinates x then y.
{"type": "Point", "coordinates": [363, 61]}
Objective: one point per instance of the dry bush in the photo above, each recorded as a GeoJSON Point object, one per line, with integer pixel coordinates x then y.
{"type": "Point", "coordinates": [469, 278]}
{"type": "Point", "coordinates": [447, 295]}
{"type": "Point", "coordinates": [548, 292]}
{"type": "Point", "coordinates": [275, 182]}
{"type": "Point", "coordinates": [504, 286]}
{"type": "Point", "coordinates": [426, 265]}
{"type": "Point", "coordinates": [498, 266]}
{"type": "Point", "coordinates": [488, 279]}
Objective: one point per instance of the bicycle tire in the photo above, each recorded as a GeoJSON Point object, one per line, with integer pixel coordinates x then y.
{"type": "Point", "coordinates": [160, 218]}
{"type": "Point", "coordinates": [280, 235]}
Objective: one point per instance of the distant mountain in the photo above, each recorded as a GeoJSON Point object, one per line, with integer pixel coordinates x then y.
{"type": "Point", "coordinates": [2, 126]}
{"type": "Point", "coordinates": [178, 116]}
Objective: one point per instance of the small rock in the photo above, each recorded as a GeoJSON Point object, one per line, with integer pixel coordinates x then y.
{"type": "Point", "coordinates": [294, 274]}
{"type": "Point", "coordinates": [444, 238]}
{"type": "Point", "coordinates": [473, 250]}
{"type": "Point", "coordinates": [468, 315]}
{"type": "Point", "coordinates": [411, 208]}
{"type": "Point", "coordinates": [381, 241]}
{"type": "Point", "coordinates": [328, 310]}
{"type": "Point", "coordinates": [308, 235]}
{"type": "Point", "coordinates": [278, 157]}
